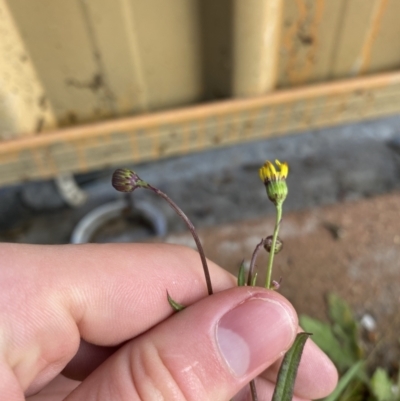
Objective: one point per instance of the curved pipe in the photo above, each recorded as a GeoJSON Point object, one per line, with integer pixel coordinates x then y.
{"type": "Point", "coordinates": [85, 229]}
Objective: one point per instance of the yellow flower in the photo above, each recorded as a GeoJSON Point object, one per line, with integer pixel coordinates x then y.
{"type": "Point", "coordinates": [268, 172]}
{"type": "Point", "coordinates": [274, 180]}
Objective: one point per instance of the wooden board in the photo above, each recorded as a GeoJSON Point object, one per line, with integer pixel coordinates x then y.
{"type": "Point", "coordinates": [177, 132]}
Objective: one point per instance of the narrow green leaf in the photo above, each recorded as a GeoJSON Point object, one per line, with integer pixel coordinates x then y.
{"type": "Point", "coordinates": [241, 281]}
{"type": "Point", "coordinates": [175, 305]}
{"type": "Point", "coordinates": [381, 385]}
{"type": "Point", "coordinates": [356, 390]}
{"type": "Point", "coordinates": [254, 280]}
{"type": "Point", "coordinates": [288, 370]}
{"type": "Point", "coordinates": [345, 381]}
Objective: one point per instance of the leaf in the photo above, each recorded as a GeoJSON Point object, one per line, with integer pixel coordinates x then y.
{"type": "Point", "coordinates": [241, 281]}
{"type": "Point", "coordinates": [344, 326]}
{"type": "Point", "coordinates": [324, 337]}
{"type": "Point", "coordinates": [356, 390]}
{"type": "Point", "coordinates": [288, 370]}
{"type": "Point", "coordinates": [381, 385]}
{"type": "Point", "coordinates": [175, 305]}
{"type": "Point", "coordinates": [254, 280]}
{"type": "Point", "coordinates": [339, 311]}
{"type": "Point", "coordinates": [345, 381]}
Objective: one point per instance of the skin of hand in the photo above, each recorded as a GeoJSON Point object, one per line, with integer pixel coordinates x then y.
{"type": "Point", "coordinates": [99, 314]}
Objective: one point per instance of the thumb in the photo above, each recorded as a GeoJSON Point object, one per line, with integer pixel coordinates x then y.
{"type": "Point", "coordinates": [208, 351]}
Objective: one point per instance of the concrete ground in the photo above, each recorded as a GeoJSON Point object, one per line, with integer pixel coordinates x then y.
{"type": "Point", "coordinates": [341, 226]}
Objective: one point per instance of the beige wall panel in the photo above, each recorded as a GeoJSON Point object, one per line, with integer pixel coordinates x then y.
{"type": "Point", "coordinates": [257, 26]}
{"type": "Point", "coordinates": [149, 51]}
{"type": "Point", "coordinates": [308, 40]}
{"type": "Point", "coordinates": [114, 40]}
{"type": "Point", "coordinates": [216, 21]}
{"type": "Point", "coordinates": [57, 36]}
{"type": "Point", "coordinates": [107, 58]}
{"type": "Point", "coordinates": [24, 108]}
{"type": "Point", "coordinates": [329, 39]}
{"type": "Point", "coordinates": [382, 45]}
{"type": "Point", "coordinates": [169, 41]}
{"type": "Point", "coordinates": [354, 31]}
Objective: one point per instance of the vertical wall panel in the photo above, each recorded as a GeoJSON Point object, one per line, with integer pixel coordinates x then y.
{"type": "Point", "coordinates": [107, 58]}
{"type": "Point", "coordinates": [257, 25]}
{"type": "Point", "coordinates": [352, 36]}
{"type": "Point", "coordinates": [333, 39]}
{"type": "Point", "coordinates": [114, 39]}
{"type": "Point", "coordinates": [24, 108]}
{"type": "Point", "coordinates": [168, 34]}
{"type": "Point", "coordinates": [216, 26]}
{"type": "Point", "coordinates": [308, 41]}
{"type": "Point", "coordinates": [382, 45]}
{"type": "Point", "coordinates": [57, 36]}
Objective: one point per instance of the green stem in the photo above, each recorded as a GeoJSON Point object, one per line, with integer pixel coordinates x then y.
{"type": "Point", "coordinates": [272, 252]}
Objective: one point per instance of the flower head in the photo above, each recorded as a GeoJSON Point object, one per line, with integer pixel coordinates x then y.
{"type": "Point", "coordinates": [268, 172]}
{"type": "Point", "coordinates": [274, 179]}
{"type": "Point", "coordinates": [125, 180]}
{"type": "Point", "coordinates": [268, 244]}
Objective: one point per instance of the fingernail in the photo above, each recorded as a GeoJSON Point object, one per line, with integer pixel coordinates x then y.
{"type": "Point", "coordinates": [254, 332]}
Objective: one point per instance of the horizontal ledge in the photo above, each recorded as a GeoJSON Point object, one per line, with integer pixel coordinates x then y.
{"type": "Point", "coordinates": [181, 131]}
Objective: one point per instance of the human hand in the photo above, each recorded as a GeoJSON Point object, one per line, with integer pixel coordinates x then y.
{"type": "Point", "coordinates": [99, 314]}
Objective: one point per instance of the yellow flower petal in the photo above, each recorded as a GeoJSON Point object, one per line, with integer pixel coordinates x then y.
{"type": "Point", "coordinates": [261, 171]}
{"type": "Point", "coordinates": [268, 172]}
{"type": "Point", "coordinates": [271, 170]}
{"type": "Point", "coordinates": [284, 170]}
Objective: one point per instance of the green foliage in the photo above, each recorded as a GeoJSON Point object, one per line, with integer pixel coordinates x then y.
{"type": "Point", "coordinates": [241, 280]}
{"type": "Point", "coordinates": [381, 386]}
{"type": "Point", "coordinates": [324, 337]}
{"type": "Point", "coordinates": [345, 381]}
{"type": "Point", "coordinates": [341, 341]}
{"type": "Point", "coordinates": [175, 305]}
{"type": "Point", "coordinates": [254, 280]}
{"type": "Point", "coordinates": [288, 370]}
{"type": "Point", "coordinates": [344, 326]}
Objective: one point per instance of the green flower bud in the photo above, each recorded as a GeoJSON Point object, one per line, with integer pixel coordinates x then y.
{"type": "Point", "coordinates": [268, 244]}
{"type": "Point", "coordinates": [274, 180]}
{"type": "Point", "coordinates": [125, 180]}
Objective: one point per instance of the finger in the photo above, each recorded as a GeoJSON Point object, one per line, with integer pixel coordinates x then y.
{"type": "Point", "coordinates": [87, 359]}
{"type": "Point", "coordinates": [56, 390]}
{"type": "Point", "coordinates": [208, 351]}
{"type": "Point", "coordinates": [105, 294]}
{"type": "Point", "coordinates": [317, 376]}
{"type": "Point", "coordinates": [106, 285]}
